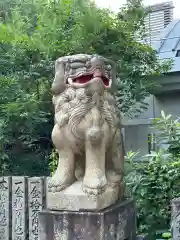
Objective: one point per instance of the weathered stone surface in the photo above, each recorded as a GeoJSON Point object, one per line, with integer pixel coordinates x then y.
{"type": "Point", "coordinates": [175, 218]}
{"type": "Point", "coordinates": [73, 198]}
{"type": "Point", "coordinates": [86, 134]}
{"type": "Point", "coordinates": [77, 65]}
{"type": "Point", "coordinates": [114, 223]}
{"type": "Point", "coordinates": [35, 204]}
{"type": "Point", "coordinates": [5, 210]}
{"type": "Point", "coordinates": [19, 208]}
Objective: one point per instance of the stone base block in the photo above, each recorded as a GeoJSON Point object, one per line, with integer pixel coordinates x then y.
{"type": "Point", "coordinates": [74, 199]}
{"type": "Point", "coordinates": [175, 218]}
{"type": "Point", "coordinates": [117, 222]}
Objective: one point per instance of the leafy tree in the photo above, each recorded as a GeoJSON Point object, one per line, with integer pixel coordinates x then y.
{"type": "Point", "coordinates": [33, 34]}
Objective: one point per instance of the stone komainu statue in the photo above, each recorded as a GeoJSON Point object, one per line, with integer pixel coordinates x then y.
{"type": "Point", "coordinates": [86, 133]}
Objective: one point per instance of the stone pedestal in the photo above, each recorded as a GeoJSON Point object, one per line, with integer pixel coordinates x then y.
{"type": "Point", "coordinates": [175, 218]}
{"type": "Point", "coordinates": [117, 222]}
{"type": "Point", "coordinates": [73, 198]}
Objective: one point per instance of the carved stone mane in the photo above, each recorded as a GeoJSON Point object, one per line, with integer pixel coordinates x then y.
{"type": "Point", "coordinates": [74, 104]}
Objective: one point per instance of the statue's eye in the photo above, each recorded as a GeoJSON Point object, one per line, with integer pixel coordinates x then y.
{"type": "Point", "coordinates": [108, 67]}
{"type": "Point", "coordinates": [88, 64]}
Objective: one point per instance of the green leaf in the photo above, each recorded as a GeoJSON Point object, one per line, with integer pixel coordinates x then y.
{"type": "Point", "coordinates": [163, 114]}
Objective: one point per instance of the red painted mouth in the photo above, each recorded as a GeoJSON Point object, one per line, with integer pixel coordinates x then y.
{"type": "Point", "coordinates": [87, 78]}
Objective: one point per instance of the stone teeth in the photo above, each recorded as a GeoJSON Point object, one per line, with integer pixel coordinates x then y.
{"type": "Point", "coordinates": [70, 81]}
{"type": "Point", "coordinates": [110, 82]}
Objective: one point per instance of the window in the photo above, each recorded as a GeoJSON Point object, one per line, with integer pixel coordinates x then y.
{"type": "Point", "coordinates": [151, 142]}
{"type": "Point", "coordinates": [178, 53]}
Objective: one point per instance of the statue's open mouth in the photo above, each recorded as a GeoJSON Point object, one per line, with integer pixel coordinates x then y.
{"type": "Point", "coordinates": [83, 79]}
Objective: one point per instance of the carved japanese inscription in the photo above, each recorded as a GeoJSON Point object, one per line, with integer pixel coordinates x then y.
{"type": "Point", "coordinates": [4, 208]}
{"type": "Point", "coordinates": [35, 203]}
{"type": "Point", "coordinates": [19, 208]}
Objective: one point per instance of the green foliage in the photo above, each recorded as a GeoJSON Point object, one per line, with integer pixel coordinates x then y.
{"type": "Point", "coordinates": [33, 34]}
{"type": "Point", "coordinates": [154, 180]}
{"type": "Point", "coordinates": [53, 161]}
{"type": "Point", "coordinates": [168, 132]}
{"type": "Point", "coordinates": [153, 189]}
{"type": "Point", "coordinates": [160, 235]}
{"type": "Point", "coordinates": [166, 235]}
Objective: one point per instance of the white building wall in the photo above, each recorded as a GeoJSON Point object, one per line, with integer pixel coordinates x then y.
{"type": "Point", "coordinates": [159, 17]}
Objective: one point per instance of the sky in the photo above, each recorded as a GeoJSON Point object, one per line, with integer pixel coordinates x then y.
{"type": "Point", "coordinates": [115, 4]}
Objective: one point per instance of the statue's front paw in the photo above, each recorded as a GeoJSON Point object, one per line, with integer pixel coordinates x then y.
{"type": "Point", "coordinates": [57, 183]}
{"type": "Point", "coordinates": [93, 191]}
{"type": "Point", "coordinates": [94, 186]}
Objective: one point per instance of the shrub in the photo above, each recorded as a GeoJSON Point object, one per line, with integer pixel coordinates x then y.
{"type": "Point", "coordinates": [168, 133]}
{"type": "Point", "coordinates": [154, 180]}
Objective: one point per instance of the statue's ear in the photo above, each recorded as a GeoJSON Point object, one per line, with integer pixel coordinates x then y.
{"type": "Point", "coordinates": [113, 72]}
{"type": "Point", "coordinates": [59, 84]}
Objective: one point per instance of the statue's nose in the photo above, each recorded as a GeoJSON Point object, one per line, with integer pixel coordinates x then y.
{"type": "Point", "coordinates": [97, 73]}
